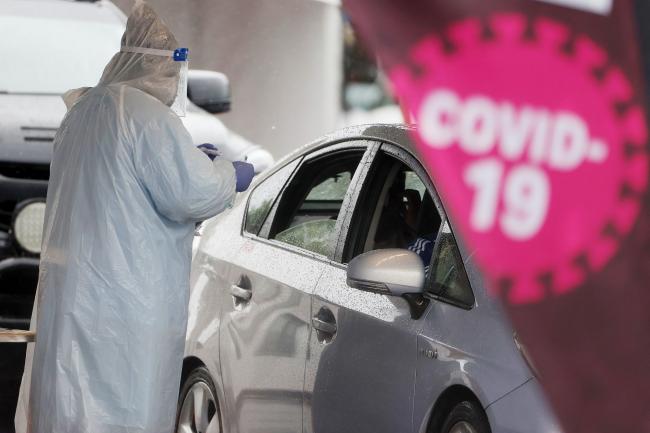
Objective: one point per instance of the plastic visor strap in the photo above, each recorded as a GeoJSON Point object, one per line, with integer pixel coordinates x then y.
{"type": "Point", "coordinates": [142, 50]}
{"type": "Point", "coordinates": [179, 54]}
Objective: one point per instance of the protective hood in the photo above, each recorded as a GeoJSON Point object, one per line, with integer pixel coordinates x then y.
{"type": "Point", "coordinates": [156, 75]}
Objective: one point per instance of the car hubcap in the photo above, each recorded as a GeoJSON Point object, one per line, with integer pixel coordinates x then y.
{"type": "Point", "coordinates": [462, 427]}
{"type": "Point", "coordinates": [198, 409]}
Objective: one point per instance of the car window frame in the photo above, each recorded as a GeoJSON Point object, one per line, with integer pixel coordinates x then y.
{"type": "Point", "coordinates": [369, 149]}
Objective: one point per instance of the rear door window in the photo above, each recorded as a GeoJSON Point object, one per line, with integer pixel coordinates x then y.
{"type": "Point", "coordinates": [309, 209]}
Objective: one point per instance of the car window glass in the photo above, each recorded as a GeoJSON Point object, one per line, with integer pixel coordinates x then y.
{"type": "Point", "coordinates": [332, 188]}
{"type": "Point", "coordinates": [263, 197]}
{"type": "Point", "coordinates": [395, 211]}
{"type": "Point", "coordinates": [311, 205]}
{"type": "Point", "coordinates": [413, 182]}
{"type": "Point", "coordinates": [450, 280]}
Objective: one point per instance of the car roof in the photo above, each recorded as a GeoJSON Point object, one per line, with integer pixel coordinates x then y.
{"type": "Point", "coordinates": [100, 11]}
{"type": "Point", "coordinates": [397, 134]}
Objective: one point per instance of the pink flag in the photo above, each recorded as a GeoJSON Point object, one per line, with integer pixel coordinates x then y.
{"type": "Point", "coordinates": [532, 118]}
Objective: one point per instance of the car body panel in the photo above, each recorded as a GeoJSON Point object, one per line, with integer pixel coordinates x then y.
{"type": "Point", "coordinates": [512, 413]}
{"type": "Point", "coordinates": [264, 342]}
{"type": "Point", "coordinates": [472, 348]}
{"type": "Point", "coordinates": [363, 379]}
{"type": "Point", "coordinates": [211, 271]}
{"type": "Point", "coordinates": [28, 124]}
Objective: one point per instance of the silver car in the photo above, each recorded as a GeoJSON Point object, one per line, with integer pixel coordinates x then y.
{"type": "Point", "coordinates": [334, 297]}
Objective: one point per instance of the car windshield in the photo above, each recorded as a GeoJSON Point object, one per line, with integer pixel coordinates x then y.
{"type": "Point", "coordinates": [45, 55]}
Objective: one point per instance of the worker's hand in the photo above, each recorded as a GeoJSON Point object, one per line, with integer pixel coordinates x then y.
{"type": "Point", "coordinates": [244, 173]}
{"type": "Point", "coordinates": [210, 150]}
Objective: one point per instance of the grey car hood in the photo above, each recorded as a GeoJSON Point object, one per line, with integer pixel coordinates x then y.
{"type": "Point", "coordinates": [27, 127]}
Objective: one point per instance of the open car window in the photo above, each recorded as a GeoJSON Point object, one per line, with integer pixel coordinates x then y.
{"type": "Point", "coordinates": [311, 204]}
{"type": "Point", "coordinates": [394, 210]}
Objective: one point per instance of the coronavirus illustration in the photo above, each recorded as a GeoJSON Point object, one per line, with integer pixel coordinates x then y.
{"type": "Point", "coordinates": [537, 143]}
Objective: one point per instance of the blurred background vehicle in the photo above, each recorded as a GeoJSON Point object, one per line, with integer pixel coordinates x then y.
{"type": "Point", "coordinates": [333, 297]}
{"type": "Point", "coordinates": [53, 46]}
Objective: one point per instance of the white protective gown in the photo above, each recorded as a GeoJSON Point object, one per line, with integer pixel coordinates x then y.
{"type": "Point", "coordinates": [127, 186]}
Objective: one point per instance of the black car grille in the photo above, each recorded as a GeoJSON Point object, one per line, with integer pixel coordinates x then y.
{"type": "Point", "coordinates": [25, 171]}
{"type": "Point", "coordinates": [7, 213]}
{"type": "Point", "coordinates": [20, 182]}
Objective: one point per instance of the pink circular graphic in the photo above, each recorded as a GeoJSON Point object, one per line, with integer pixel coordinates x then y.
{"type": "Point", "coordinates": [536, 146]}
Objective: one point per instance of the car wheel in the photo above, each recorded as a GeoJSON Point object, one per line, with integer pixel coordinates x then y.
{"type": "Point", "coordinates": [197, 403]}
{"type": "Point", "coordinates": [466, 417]}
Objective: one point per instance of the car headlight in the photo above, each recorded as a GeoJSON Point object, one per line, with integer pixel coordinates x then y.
{"type": "Point", "coordinates": [28, 225]}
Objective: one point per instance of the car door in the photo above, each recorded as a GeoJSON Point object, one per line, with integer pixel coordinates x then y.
{"type": "Point", "coordinates": [360, 374]}
{"type": "Point", "coordinates": [264, 332]}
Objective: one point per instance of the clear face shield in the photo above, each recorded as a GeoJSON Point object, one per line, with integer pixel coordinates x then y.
{"type": "Point", "coordinates": [179, 55]}
{"type": "Point", "coordinates": [179, 106]}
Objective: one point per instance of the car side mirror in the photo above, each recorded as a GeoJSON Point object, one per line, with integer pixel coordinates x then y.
{"type": "Point", "coordinates": [393, 272]}
{"type": "Point", "coordinates": [209, 90]}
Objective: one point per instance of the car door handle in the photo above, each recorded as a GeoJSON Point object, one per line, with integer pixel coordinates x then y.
{"type": "Point", "coordinates": [323, 325]}
{"type": "Point", "coordinates": [240, 293]}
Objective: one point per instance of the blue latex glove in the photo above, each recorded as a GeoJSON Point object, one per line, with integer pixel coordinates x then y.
{"type": "Point", "coordinates": [244, 173]}
{"type": "Point", "coordinates": [210, 150]}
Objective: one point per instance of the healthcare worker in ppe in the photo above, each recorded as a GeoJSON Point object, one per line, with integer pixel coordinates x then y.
{"type": "Point", "coordinates": [127, 186]}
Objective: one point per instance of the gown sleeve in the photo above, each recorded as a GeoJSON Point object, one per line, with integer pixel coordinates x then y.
{"type": "Point", "coordinates": [184, 185]}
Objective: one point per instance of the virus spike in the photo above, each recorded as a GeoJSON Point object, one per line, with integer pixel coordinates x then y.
{"type": "Point", "coordinates": [465, 33]}
{"type": "Point", "coordinates": [551, 35]}
{"type": "Point", "coordinates": [427, 53]}
{"type": "Point", "coordinates": [601, 252]}
{"type": "Point", "coordinates": [636, 172]}
{"type": "Point", "coordinates": [509, 27]}
{"type": "Point", "coordinates": [634, 125]}
{"type": "Point", "coordinates": [588, 54]}
{"type": "Point", "coordinates": [525, 291]}
{"type": "Point", "coordinates": [624, 216]}
{"type": "Point", "coordinates": [566, 277]}
{"type": "Point", "coordinates": [616, 85]}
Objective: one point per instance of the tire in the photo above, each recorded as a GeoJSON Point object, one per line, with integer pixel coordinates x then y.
{"type": "Point", "coordinates": [198, 388]}
{"type": "Point", "coordinates": [466, 417]}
